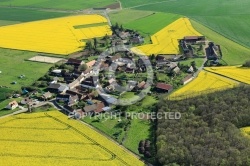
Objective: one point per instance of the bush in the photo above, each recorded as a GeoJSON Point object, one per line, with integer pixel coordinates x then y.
{"type": "Point", "coordinates": [246, 64]}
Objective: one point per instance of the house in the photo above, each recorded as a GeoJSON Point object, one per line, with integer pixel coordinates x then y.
{"type": "Point", "coordinates": [70, 100]}
{"type": "Point", "coordinates": [112, 81]}
{"type": "Point", "coordinates": [162, 87]}
{"type": "Point", "coordinates": [63, 88]}
{"type": "Point", "coordinates": [141, 85]}
{"type": "Point", "coordinates": [160, 63]}
{"type": "Point", "coordinates": [190, 70]}
{"type": "Point", "coordinates": [57, 72]}
{"type": "Point", "coordinates": [26, 101]}
{"type": "Point", "coordinates": [72, 92]}
{"type": "Point", "coordinates": [135, 40]}
{"type": "Point", "coordinates": [160, 58]}
{"type": "Point", "coordinates": [123, 35]}
{"type": "Point", "coordinates": [104, 66]}
{"type": "Point", "coordinates": [176, 70]}
{"type": "Point", "coordinates": [91, 63]}
{"type": "Point", "coordinates": [87, 72]}
{"type": "Point", "coordinates": [105, 109]}
{"type": "Point", "coordinates": [12, 105]}
{"type": "Point", "coordinates": [47, 96]}
{"type": "Point", "coordinates": [187, 79]}
{"type": "Point", "coordinates": [172, 65]}
{"type": "Point", "coordinates": [90, 109]}
{"type": "Point", "coordinates": [99, 107]}
{"type": "Point", "coordinates": [54, 88]}
{"type": "Point", "coordinates": [74, 62]}
{"type": "Point", "coordinates": [116, 57]}
{"type": "Point", "coordinates": [90, 82]}
{"type": "Point", "coordinates": [193, 39]}
{"type": "Point", "coordinates": [69, 79]}
{"type": "Point", "coordinates": [94, 108]}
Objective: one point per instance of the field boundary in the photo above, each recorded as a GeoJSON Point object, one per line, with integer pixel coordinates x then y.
{"type": "Point", "coordinates": [225, 76]}
{"type": "Point", "coordinates": [197, 94]}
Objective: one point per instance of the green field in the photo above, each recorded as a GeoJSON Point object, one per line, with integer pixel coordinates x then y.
{"type": "Point", "coordinates": [139, 130]}
{"type": "Point", "coordinates": [58, 4]}
{"type": "Point", "coordinates": [228, 17]}
{"type": "Point", "coordinates": [145, 22]}
{"type": "Point", "coordinates": [25, 15]}
{"type": "Point", "coordinates": [152, 23]}
{"type": "Point", "coordinates": [13, 64]}
{"type": "Point", "coordinates": [128, 15]}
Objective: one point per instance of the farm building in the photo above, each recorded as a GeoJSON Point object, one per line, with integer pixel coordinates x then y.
{"type": "Point", "coordinates": [74, 62]}
{"type": "Point", "coordinates": [194, 39]}
{"type": "Point", "coordinates": [162, 88]}
{"type": "Point", "coordinates": [91, 63]}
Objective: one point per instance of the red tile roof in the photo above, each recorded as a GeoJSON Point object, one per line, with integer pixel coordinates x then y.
{"type": "Point", "coordinates": [164, 86]}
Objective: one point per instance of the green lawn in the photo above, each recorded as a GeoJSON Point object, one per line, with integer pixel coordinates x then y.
{"type": "Point", "coordinates": [139, 130]}
{"type": "Point", "coordinates": [25, 15]}
{"type": "Point", "coordinates": [58, 4]}
{"type": "Point", "coordinates": [198, 61]}
{"type": "Point", "coordinates": [13, 64]}
{"type": "Point", "coordinates": [228, 17]}
{"type": "Point", "coordinates": [107, 125]}
{"type": "Point", "coordinates": [148, 101]}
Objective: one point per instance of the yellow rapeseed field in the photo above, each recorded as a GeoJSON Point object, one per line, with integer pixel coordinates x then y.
{"type": "Point", "coordinates": [56, 36]}
{"type": "Point", "coordinates": [235, 72]}
{"type": "Point", "coordinates": [166, 40]}
{"type": "Point", "coordinates": [50, 138]}
{"type": "Point", "coordinates": [246, 131]}
{"type": "Point", "coordinates": [205, 83]}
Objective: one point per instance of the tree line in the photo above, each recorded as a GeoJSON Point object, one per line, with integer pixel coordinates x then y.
{"type": "Point", "coordinates": [208, 131]}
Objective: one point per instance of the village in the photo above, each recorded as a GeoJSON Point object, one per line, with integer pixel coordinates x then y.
{"type": "Point", "coordinates": [89, 84]}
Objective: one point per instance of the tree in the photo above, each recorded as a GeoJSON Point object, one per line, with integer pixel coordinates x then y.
{"type": "Point", "coordinates": [89, 45]}
{"type": "Point", "coordinates": [95, 43]}
{"type": "Point", "coordinates": [246, 64]}
{"type": "Point", "coordinates": [121, 28]}
{"type": "Point", "coordinates": [83, 67]}
{"type": "Point", "coordinates": [95, 93]}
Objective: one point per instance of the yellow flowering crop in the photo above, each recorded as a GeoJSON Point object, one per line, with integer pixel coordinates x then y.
{"type": "Point", "coordinates": [235, 72]}
{"type": "Point", "coordinates": [205, 83]}
{"type": "Point", "coordinates": [51, 138]}
{"type": "Point", "coordinates": [246, 131]}
{"type": "Point", "coordinates": [166, 40]}
{"type": "Point", "coordinates": [56, 36]}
